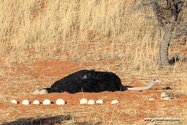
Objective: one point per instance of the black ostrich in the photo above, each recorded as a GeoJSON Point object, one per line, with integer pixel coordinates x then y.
{"type": "Point", "coordinates": [91, 81]}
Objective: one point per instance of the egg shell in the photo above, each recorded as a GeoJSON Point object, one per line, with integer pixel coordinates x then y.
{"type": "Point", "coordinates": [83, 101]}
{"type": "Point", "coordinates": [25, 102]}
{"type": "Point", "coordinates": [14, 101]}
{"type": "Point", "coordinates": [99, 101]}
{"type": "Point", "coordinates": [91, 101]}
{"type": "Point", "coordinates": [114, 102]}
{"type": "Point", "coordinates": [60, 102]}
{"type": "Point", "coordinates": [46, 102]}
{"type": "Point", "coordinates": [36, 102]}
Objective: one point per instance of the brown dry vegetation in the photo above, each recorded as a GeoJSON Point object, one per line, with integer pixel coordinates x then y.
{"type": "Point", "coordinates": [43, 40]}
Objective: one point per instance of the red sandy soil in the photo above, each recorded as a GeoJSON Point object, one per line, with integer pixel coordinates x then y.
{"type": "Point", "coordinates": [134, 106]}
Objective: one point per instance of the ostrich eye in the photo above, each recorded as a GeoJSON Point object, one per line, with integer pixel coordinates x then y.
{"type": "Point", "coordinates": [154, 79]}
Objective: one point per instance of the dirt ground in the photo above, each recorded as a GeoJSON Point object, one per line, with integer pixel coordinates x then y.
{"type": "Point", "coordinates": [133, 108]}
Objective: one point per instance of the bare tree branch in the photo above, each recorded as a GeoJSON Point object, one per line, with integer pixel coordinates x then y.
{"type": "Point", "coordinates": [180, 34]}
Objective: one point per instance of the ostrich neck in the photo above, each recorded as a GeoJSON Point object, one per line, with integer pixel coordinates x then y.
{"type": "Point", "coordinates": [142, 88]}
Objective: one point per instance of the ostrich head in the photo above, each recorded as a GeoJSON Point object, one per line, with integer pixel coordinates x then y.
{"type": "Point", "coordinates": [152, 83]}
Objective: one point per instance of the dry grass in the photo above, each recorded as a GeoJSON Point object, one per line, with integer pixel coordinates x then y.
{"type": "Point", "coordinates": [105, 34]}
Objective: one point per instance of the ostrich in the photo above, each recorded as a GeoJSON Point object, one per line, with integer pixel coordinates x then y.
{"type": "Point", "coordinates": [91, 81]}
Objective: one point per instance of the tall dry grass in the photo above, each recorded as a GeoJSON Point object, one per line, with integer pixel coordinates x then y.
{"type": "Point", "coordinates": [40, 24]}
{"type": "Point", "coordinates": [87, 31]}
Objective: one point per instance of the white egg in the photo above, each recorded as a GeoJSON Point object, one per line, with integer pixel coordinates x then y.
{"type": "Point", "coordinates": [164, 94]}
{"type": "Point", "coordinates": [151, 99]}
{"type": "Point", "coordinates": [36, 102]}
{"type": "Point", "coordinates": [14, 101]}
{"type": "Point", "coordinates": [99, 101]}
{"type": "Point", "coordinates": [166, 98]}
{"type": "Point", "coordinates": [83, 101]}
{"type": "Point", "coordinates": [46, 102]}
{"type": "Point", "coordinates": [25, 102]}
{"type": "Point", "coordinates": [43, 91]}
{"type": "Point", "coordinates": [60, 102]}
{"type": "Point", "coordinates": [36, 92]}
{"type": "Point", "coordinates": [114, 102]}
{"type": "Point", "coordinates": [91, 101]}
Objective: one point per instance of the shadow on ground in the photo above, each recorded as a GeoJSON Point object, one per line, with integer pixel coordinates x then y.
{"type": "Point", "coordinates": [60, 119]}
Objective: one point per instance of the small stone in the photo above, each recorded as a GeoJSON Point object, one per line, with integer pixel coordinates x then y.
{"type": "Point", "coordinates": [164, 94]}
{"type": "Point", "coordinates": [151, 99]}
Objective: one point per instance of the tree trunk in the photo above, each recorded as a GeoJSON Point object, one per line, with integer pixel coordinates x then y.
{"type": "Point", "coordinates": [167, 16]}
{"type": "Point", "coordinates": [164, 46]}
